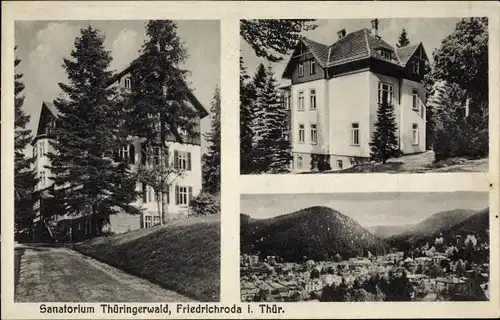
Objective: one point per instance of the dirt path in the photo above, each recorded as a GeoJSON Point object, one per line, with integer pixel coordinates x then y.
{"type": "Point", "coordinates": [57, 274]}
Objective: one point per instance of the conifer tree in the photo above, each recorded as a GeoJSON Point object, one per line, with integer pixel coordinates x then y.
{"type": "Point", "coordinates": [160, 95]}
{"type": "Point", "coordinates": [273, 149]}
{"type": "Point", "coordinates": [258, 114]}
{"type": "Point", "coordinates": [24, 176]}
{"type": "Point", "coordinates": [246, 121]}
{"type": "Point", "coordinates": [211, 160]}
{"type": "Point", "coordinates": [88, 131]}
{"type": "Point", "coordinates": [403, 40]}
{"type": "Point", "coordinates": [384, 144]}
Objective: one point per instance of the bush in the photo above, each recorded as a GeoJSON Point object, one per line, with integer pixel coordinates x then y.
{"type": "Point", "coordinates": [204, 204]}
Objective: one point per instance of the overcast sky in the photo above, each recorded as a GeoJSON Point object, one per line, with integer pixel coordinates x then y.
{"type": "Point", "coordinates": [43, 44]}
{"type": "Point", "coordinates": [368, 209]}
{"type": "Point", "coordinates": [428, 31]}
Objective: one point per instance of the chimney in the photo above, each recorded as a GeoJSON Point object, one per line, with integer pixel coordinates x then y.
{"type": "Point", "coordinates": [341, 34]}
{"type": "Point", "coordinates": [375, 27]}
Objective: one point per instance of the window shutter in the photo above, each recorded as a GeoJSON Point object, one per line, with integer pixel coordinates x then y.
{"type": "Point", "coordinates": [144, 192]}
{"type": "Point", "coordinates": [131, 153]}
{"type": "Point", "coordinates": [176, 160]}
{"type": "Point", "coordinates": [188, 161]}
{"type": "Point", "coordinates": [176, 195]}
{"type": "Point", "coordinates": [190, 195]}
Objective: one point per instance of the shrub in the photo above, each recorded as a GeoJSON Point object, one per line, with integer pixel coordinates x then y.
{"type": "Point", "coordinates": [204, 204]}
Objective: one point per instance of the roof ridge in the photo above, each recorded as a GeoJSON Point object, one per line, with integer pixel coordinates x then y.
{"type": "Point", "coordinates": [367, 43]}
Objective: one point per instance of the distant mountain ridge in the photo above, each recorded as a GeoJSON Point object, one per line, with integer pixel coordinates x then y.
{"type": "Point", "coordinates": [383, 232]}
{"type": "Point", "coordinates": [315, 233]}
{"type": "Point", "coordinates": [445, 223]}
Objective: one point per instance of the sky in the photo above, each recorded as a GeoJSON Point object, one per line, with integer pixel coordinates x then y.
{"type": "Point", "coordinates": [368, 209]}
{"type": "Point", "coordinates": [429, 31]}
{"type": "Point", "coordinates": [42, 45]}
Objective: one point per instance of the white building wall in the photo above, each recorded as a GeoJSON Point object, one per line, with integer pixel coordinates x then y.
{"type": "Point", "coordinates": [349, 100]}
{"type": "Point", "coordinates": [410, 117]}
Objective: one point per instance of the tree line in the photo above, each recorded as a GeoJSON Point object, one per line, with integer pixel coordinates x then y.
{"type": "Point", "coordinates": [95, 122]}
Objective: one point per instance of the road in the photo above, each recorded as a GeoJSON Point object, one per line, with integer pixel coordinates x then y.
{"type": "Point", "coordinates": [58, 274]}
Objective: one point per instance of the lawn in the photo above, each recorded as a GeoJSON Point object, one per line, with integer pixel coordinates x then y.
{"type": "Point", "coordinates": [420, 163]}
{"type": "Point", "coordinates": [183, 256]}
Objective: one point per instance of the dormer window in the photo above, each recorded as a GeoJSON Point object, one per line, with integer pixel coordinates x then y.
{"type": "Point", "coordinates": [416, 67]}
{"type": "Point", "coordinates": [301, 69]}
{"type": "Point", "coordinates": [127, 82]}
{"type": "Point", "coordinates": [386, 54]}
{"type": "Point", "coordinates": [312, 67]}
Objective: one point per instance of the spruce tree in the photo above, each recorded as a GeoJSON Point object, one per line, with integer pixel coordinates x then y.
{"type": "Point", "coordinates": [273, 149]}
{"type": "Point", "coordinates": [88, 131]}
{"type": "Point", "coordinates": [24, 175]}
{"type": "Point", "coordinates": [246, 121]}
{"type": "Point", "coordinates": [259, 113]}
{"type": "Point", "coordinates": [384, 144]}
{"type": "Point", "coordinates": [403, 40]}
{"type": "Point", "coordinates": [160, 95]}
{"type": "Point", "coordinates": [211, 160]}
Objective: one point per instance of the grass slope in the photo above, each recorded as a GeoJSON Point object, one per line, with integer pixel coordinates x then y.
{"type": "Point", "coordinates": [183, 256]}
{"type": "Point", "coordinates": [314, 233]}
{"type": "Point", "coordinates": [383, 232]}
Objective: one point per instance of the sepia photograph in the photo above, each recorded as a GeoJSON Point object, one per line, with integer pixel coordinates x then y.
{"type": "Point", "coordinates": [364, 95]}
{"type": "Point", "coordinates": [358, 247]}
{"type": "Point", "coordinates": [117, 161]}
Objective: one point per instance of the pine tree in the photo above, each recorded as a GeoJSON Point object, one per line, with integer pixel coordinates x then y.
{"type": "Point", "coordinates": [259, 114]}
{"type": "Point", "coordinates": [384, 144]}
{"type": "Point", "coordinates": [160, 95]}
{"type": "Point", "coordinates": [88, 131]}
{"type": "Point", "coordinates": [24, 175]}
{"type": "Point", "coordinates": [403, 40]}
{"type": "Point", "coordinates": [211, 160]}
{"type": "Point", "coordinates": [272, 38]}
{"type": "Point", "coordinates": [273, 149]}
{"type": "Point", "coordinates": [246, 121]}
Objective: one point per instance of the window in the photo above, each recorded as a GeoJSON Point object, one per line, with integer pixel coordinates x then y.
{"type": "Point", "coordinates": [144, 193]}
{"type": "Point", "coordinates": [312, 97]}
{"type": "Point", "coordinates": [182, 160]}
{"type": "Point", "coordinates": [127, 82]}
{"type": "Point", "coordinates": [301, 69]}
{"type": "Point", "coordinates": [301, 101]}
{"type": "Point", "coordinates": [127, 154]}
{"type": "Point", "coordinates": [150, 194]}
{"type": "Point", "coordinates": [42, 178]}
{"type": "Point", "coordinates": [314, 134]}
{"type": "Point", "coordinates": [286, 101]}
{"type": "Point", "coordinates": [386, 54]}
{"type": "Point", "coordinates": [147, 221]}
{"type": "Point", "coordinates": [415, 99]}
{"type": "Point", "coordinates": [182, 131]}
{"type": "Point", "coordinates": [183, 195]}
{"type": "Point", "coordinates": [285, 134]}
{"type": "Point", "coordinates": [416, 67]}
{"type": "Point", "coordinates": [312, 67]}
{"type": "Point", "coordinates": [340, 164]}
{"type": "Point", "coordinates": [300, 162]}
{"type": "Point", "coordinates": [415, 134]}
{"type": "Point", "coordinates": [385, 93]}
{"type": "Point", "coordinates": [156, 220]}
{"type": "Point", "coordinates": [302, 137]}
{"type": "Point", "coordinates": [355, 134]}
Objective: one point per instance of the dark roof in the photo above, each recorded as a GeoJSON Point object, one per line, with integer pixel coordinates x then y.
{"type": "Point", "coordinates": [404, 53]}
{"type": "Point", "coordinates": [50, 106]}
{"type": "Point", "coordinates": [196, 103]}
{"type": "Point", "coordinates": [357, 45]}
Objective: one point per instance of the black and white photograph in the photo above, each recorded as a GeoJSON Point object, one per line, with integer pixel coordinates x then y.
{"type": "Point", "coordinates": [364, 95]}
{"type": "Point", "coordinates": [117, 161]}
{"type": "Point", "coordinates": [359, 247]}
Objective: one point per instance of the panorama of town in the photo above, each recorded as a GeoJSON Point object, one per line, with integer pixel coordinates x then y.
{"type": "Point", "coordinates": [448, 273]}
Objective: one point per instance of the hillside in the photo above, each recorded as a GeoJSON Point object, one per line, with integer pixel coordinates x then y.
{"type": "Point", "coordinates": [447, 223]}
{"type": "Point", "coordinates": [383, 232]}
{"type": "Point", "coordinates": [315, 233]}
{"type": "Point", "coordinates": [183, 256]}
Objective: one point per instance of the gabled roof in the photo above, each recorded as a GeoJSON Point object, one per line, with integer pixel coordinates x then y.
{"type": "Point", "coordinates": [196, 103]}
{"type": "Point", "coordinates": [50, 106]}
{"type": "Point", "coordinates": [357, 45]}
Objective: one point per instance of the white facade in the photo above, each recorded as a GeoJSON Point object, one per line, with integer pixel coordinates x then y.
{"type": "Point", "coordinates": [345, 115]}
